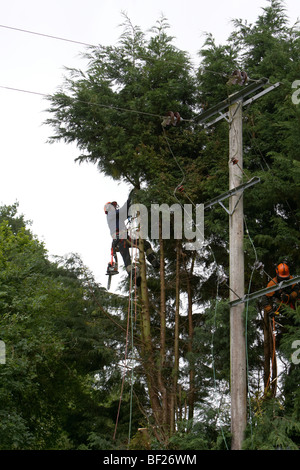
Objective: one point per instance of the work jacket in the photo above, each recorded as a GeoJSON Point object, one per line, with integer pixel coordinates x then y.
{"type": "Point", "coordinates": [116, 219]}
{"type": "Point", "coordinates": [287, 296]}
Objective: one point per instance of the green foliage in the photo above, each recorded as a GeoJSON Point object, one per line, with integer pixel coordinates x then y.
{"type": "Point", "coordinates": [58, 345]}
{"type": "Point", "coordinates": [116, 106]}
{"type": "Point", "coordinates": [273, 429]}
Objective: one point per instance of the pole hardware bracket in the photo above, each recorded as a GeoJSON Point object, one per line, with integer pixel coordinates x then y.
{"type": "Point", "coordinates": [230, 193]}
{"type": "Point", "coordinates": [240, 95]}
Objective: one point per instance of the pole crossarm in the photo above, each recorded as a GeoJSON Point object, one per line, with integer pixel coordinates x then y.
{"type": "Point", "coordinates": [262, 93]}
{"type": "Point", "coordinates": [231, 192]}
{"type": "Point", "coordinates": [260, 293]}
{"type": "Point", "coordinates": [245, 103]}
{"type": "Point", "coordinates": [231, 100]}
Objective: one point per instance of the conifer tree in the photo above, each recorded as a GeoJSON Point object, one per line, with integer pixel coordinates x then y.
{"type": "Point", "coordinates": [114, 112]}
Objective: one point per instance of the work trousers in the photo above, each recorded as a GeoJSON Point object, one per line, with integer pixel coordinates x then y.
{"type": "Point", "coordinates": [122, 245]}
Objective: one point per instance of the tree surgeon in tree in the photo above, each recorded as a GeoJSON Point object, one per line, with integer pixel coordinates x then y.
{"type": "Point", "coordinates": [116, 219]}
{"type": "Point", "coordinates": [273, 301]}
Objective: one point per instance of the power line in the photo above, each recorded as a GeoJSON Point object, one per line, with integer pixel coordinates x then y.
{"type": "Point", "coordinates": [47, 35]}
{"type": "Point", "coordinates": [23, 91]}
{"type": "Point", "coordinates": [108, 106]}
{"type": "Point", "coordinates": [203, 69]}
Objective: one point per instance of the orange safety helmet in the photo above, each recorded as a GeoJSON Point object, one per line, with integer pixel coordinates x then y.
{"type": "Point", "coordinates": [283, 271]}
{"type": "Point", "coordinates": [106, 207]}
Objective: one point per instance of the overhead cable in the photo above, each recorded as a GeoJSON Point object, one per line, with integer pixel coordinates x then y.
{"type": "Point", "coordinates": [47, 35]}
{"type": "Point", "coordinates": [108, 106]}
{"type": "Point", "coordinates": [23, 91]}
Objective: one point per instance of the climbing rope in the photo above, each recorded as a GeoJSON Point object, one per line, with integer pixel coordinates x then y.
{"type": "Point", "coordinates": [134, 255]}
{"type": "Point", "coordinates": [125, 360]}
{"type": "Point", "coordinates": [132, 303]}
{"type": "Point", "coordinates": [273, 353]}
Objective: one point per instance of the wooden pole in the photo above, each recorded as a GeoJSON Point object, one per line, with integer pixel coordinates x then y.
{"type": "Point", "coordinates": [238, 376]}
{"type": "Point", "coordinates": [238, 383]}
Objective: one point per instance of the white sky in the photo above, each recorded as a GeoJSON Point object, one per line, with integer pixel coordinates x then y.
{"type": "Point", "coordinates": [63, 199]}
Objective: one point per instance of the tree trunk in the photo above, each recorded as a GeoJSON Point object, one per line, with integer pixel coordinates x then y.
{"type": "Point", "coordinates": [176, 334]}
{"type": "Point", "coordinates": [191, 393]}
{"type": "Point", "coordinates": [162, 348]}
{"type": "Point", "coordinates": [270, 362]}
{"type": "Point", "coordinates": [148, 356]}
{"type": "Point", "coordinates": [267, 353]}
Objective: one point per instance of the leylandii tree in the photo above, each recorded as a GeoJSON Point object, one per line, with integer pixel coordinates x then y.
{"type": "Point", "coordinates": [113, 110]}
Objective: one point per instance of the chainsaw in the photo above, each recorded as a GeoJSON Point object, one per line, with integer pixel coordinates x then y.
{"type": "Point", "coordinates": [112, 267]}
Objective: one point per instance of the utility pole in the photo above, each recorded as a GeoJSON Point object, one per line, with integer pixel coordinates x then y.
{"type": "Point", "coordinates": [238, 382]}
{"type": "Point", "coordinates": [238, 363]}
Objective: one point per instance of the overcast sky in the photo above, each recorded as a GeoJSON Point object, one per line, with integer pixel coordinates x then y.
{"type": "Point", "coordinates": [64, 200]}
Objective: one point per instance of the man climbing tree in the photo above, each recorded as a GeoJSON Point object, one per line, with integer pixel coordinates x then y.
{"type": "Point", "coordinates": [122, 240]}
